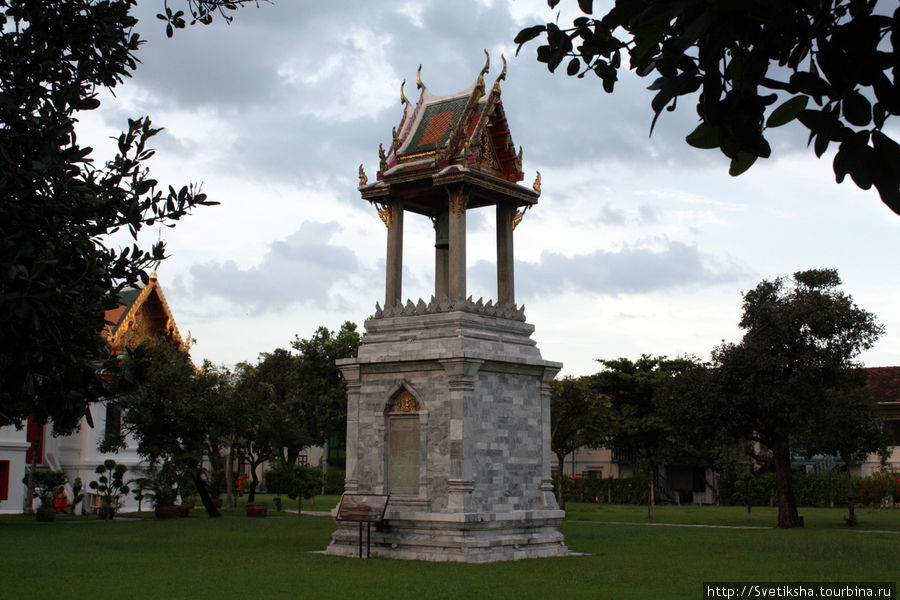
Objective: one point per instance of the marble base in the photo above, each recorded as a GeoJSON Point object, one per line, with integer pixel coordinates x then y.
{"type": "Point", "coordinates": [472, 538]}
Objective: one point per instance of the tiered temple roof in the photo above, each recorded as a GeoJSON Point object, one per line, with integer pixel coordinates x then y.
{"type": "Point", "coordinates": [441, 139]}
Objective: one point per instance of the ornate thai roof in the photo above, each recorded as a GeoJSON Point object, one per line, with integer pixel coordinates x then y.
{"type": "Point", "coordinates": [143, 313]}
{"type": "Point", "coordinates": [442, 136]}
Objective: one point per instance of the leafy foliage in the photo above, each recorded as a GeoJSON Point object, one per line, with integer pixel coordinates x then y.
{"type": "Point", "coordinates": [287, 402]}
{"type": "Point", "coordinates": [754, 66]}
{"type": "Point", "coordinates": [575, 422]}
{"type": "Point", "coordinates": [775, 386]}
{"type": "Point", "coordinates": [57, 272]}
{"type": "Point", "coordinates": [634, 426]}
{"type": "Point", "coordinates": [202, 11]}
{"type": "Point", "coordinates": [172, 409]}
{"type": "Point", "coordinates": [322, 387]}
{"type": "Point", "coordinates": [296, 481]}
{"type": "Point", "coordinates": [44, 484]}
{"type": "Point", "coordinates": [110, 485]}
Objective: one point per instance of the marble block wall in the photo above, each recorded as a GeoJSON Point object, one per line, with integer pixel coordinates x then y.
{"type": "Point", "coordinates": [481, 390]}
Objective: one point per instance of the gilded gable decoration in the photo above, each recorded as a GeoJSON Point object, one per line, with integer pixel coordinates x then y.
{"type": "Point", "coordinates": [405, 402]}
{"type": "Point", "coordinates": [143, 314]}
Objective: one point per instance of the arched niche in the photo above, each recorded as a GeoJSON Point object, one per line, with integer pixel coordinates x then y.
{"type": "Point", "coordinates": [403, 443]}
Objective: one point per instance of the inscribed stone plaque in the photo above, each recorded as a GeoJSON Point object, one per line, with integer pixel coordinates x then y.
{"type": "Point", "coordinates": [403, 461]}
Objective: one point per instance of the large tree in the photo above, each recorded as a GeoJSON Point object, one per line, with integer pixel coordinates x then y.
{"type": "Point", "coordinates": [171, 409]}
{"type": "Point", "coordinates": [634, 426]}
{"type": "Point", "coordinates": [58, 269]}
{"type": "Point", "coordinates": [797, 353]}
{"type": "Point", "coordinates": [323, 391]}
{"type": "Point", "coordinates": [753, 66]}
{"type": "Point", "coordinates": [576, 421]}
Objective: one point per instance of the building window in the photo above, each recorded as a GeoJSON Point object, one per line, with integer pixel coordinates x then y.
{"type": "Point", "coordinates": [895, 431]}
{"type": "Point", "coordinates": [4, 480]}
{"type": "Point", "coordinates": [34, 435]}
{"type": "Point", "coordinates": [113, 425]}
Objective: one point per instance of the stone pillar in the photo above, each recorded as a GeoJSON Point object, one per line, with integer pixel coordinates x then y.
{"type": "Point", "coordinates": [506, 292]}
{"type": "Point", "coordinates": [549, 499]}
{"type": "Point", "coordinates": [393, 218]}
{"type": "Point", "coordinates": [459, 199]}
{"type": "Point", "coordinates": [461, 374]}
{"type": "Point", "coordinates": [351, 374]}
{"type": "Point", "coordinates": [441, 255]}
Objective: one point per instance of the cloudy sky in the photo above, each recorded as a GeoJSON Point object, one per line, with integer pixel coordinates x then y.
{"type": "Point", "coordinates": [638, 245]}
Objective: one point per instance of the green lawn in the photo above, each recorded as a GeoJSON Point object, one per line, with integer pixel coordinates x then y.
{"type": "Point", "coordinates": [239, 557]}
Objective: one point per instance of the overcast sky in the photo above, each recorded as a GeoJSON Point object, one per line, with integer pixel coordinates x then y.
{"type": "Point", "coordinates": [638, 244]}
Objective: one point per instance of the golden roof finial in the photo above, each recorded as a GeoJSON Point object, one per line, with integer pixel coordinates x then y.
{"type": "Point", "coordinates": [403, 98]}
{"type": "Point", "coordinates": [502, 75]}
{"type": "Point", "coordinates": [479, 85]}
{"type": "Point", "coordinates": [382, 157]}
{"type": "Point", "coordinates": [537, 183]}
{"type": "Point", "coordinates": [419, 84]}
{"type": "Point", "coordinates": [363, 180]}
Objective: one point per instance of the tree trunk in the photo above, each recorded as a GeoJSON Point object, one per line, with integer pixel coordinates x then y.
{"type": "Point", "coordinates": [229, 479]}
{"type": "Point", "coordinates": [851, 520]}
{"type": "Point", "coordinates": [28, 502]}
{"type": "Point", "coordinates": [747, 498]}
{"type": "Point", "coordinates": [254, 481]}
{"type": "Point", "coordinates": [787, 502]}
{"type": "Point", "coordinates": [197, 476]}
{"type": "Point", "coordinates": [560, 480]}
{"type": "Point", "coordinates": [651, 495]}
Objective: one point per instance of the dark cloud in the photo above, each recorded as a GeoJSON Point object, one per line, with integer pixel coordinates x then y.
{"type": "Point", "coordinates": [298, 269]}
{"type": "Point", "coordinates": [237, 72]}
{"type": "Point", "coordinates": [631, 270]}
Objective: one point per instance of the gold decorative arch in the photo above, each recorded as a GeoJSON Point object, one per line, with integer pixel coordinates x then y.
{"type": "Point", "coordinates": [404, 401]}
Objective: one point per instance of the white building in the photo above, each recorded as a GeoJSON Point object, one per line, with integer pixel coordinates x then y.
{"type": "Point", "coordinates": [143, 314]}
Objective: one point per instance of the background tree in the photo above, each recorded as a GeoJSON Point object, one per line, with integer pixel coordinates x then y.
{"type": "Point", "coordinates": [323, 392]}
{"type": "Point", "coordinates": [634, 426]}
{"type": "Point", "coordinates": [250, 421]}
{"type": "Point", "coordinates": [288, 421]}
{"type": "Point", "coordinates": [58, 273]}
{"type": "Point", "coordinates": [171, 412]}
{"type": "Point", "coordinates": [295, 481]}
{"type": "Point", "coordinates": [575, 422]}
{"type": "Point", "coordinates": [797, 350]}
{"type": "Point", "coordinates": [688, 404]}
{"type": "Point", "coordinates": [848, 426]}
{"type": "Point", "coordinates": [832, 65]}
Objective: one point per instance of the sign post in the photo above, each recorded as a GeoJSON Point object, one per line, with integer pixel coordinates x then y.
{"type": "Point", "coordinates": [363, 508]}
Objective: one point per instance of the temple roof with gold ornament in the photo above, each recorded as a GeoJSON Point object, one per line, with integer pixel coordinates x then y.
{"type": "Point", "coordinates": [443, 137]}
{"type": "Point", "coordinates": [143, 314]}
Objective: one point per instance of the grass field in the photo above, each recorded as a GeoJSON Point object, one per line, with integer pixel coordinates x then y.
{"type": "Point", "coordinates": [239, 557]}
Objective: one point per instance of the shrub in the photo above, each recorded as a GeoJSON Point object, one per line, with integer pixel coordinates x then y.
{"type": "Point", "coordinates": [334, 482]}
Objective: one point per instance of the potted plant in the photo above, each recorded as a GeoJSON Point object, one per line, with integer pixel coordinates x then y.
{"type": "Point", "coordinates": [110, 485]}
{"type": "Point", "coordinates": [257, 510]}
{"type": "Point", "coordinates": [45, 485]}
{"type": "Point", "coordinates": [161, 486]}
